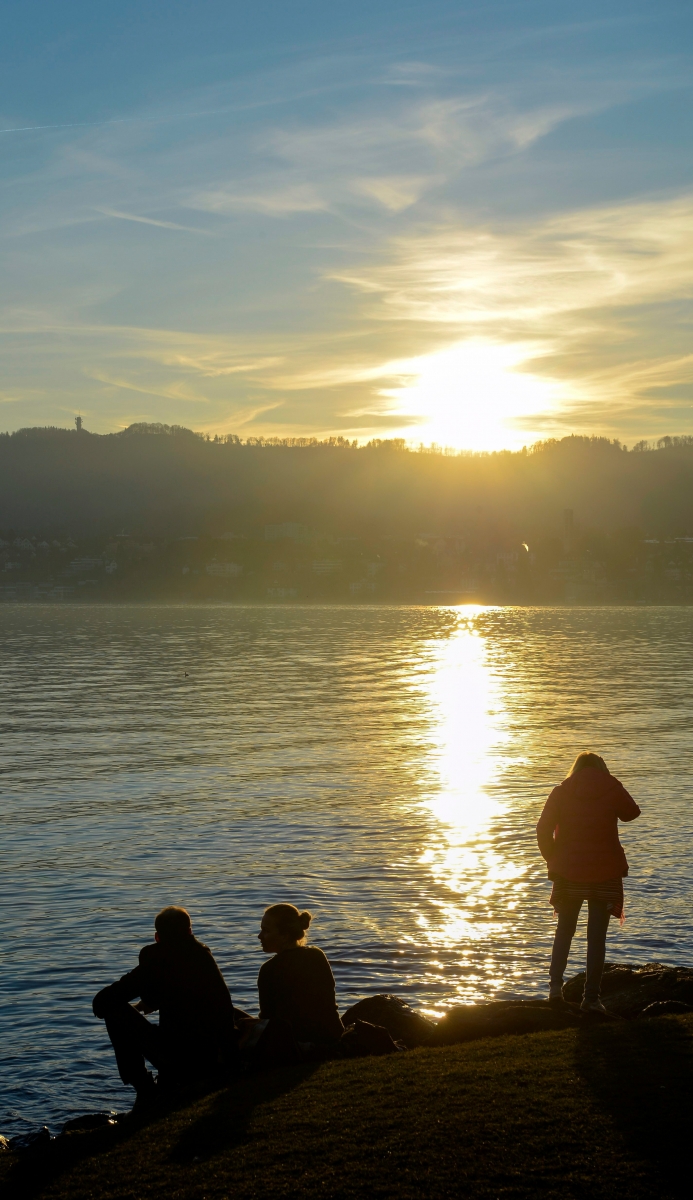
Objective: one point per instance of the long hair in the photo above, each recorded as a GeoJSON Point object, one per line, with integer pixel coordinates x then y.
{"type": "Point", "coordinates": [588, 759]}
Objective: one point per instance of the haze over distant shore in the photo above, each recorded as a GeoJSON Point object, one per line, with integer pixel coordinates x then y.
{"type": "Point", "coordinates": [160, 512]}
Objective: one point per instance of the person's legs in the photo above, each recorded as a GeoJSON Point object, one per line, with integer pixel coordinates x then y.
{"type": "Point", "coordinates": [597, 925]}
{"type": "Point", "coordinates": [565, 931]}
{"type": "Point", "coordinates": [134, 1038]}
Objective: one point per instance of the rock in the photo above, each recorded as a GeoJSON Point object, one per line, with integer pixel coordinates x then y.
{"type": "Point", "coordinates": [660, 1008]}
{"type": "Point", "coordinates": [466, 1022]}
{"type": "Point", "coordinates": [31, 1140]}
{"type": "Point", "coordinates": [628, 990]}
{"type": "Point", "coordinates": [90, 1121]}
{"type": "Point", "coordinates": [403, 1023]}
{"type": "Point", "coordinates": [4, 1143]}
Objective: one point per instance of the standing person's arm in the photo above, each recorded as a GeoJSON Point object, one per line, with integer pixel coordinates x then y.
{"type": "Point", "coordinates": [626, 808]}
{"type": "Point", "coordinates": [547, 824]}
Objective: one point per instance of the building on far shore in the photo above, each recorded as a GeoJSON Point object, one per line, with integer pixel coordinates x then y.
{"type": "Point", "coordinates": [288, 529]}
{"type": "Point", "coordinates": [227, 570]}
{"type": "Point", "coordinates": [326, 566]}
{"type": "Point", "coordinates": [80, 565]}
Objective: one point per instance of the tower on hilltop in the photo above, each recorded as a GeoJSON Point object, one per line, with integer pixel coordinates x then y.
{"type": "Point", "coordinates": [78, 424]}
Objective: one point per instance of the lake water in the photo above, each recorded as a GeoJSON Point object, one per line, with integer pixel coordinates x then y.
{"type": "Point", "coordinates": [382, 766]}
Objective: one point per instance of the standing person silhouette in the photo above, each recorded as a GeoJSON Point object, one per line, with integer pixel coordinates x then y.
{"type": "Point", "coordinates": [578, 836]}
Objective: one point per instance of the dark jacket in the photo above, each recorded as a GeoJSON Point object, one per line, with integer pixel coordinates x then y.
{"type": "Point", "coordinates": [578, 829]}
{"type": "Point", "coordinates": [181, 980]}
{"type": "Point", "coordinates": [297, 986]}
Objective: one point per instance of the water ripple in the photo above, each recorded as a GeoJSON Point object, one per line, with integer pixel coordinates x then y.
{"type": "Point", "coordinates": [382, 766]}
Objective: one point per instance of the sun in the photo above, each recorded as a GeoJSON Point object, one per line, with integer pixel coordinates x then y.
{"type": "Point", "coordinates": [472, 395]}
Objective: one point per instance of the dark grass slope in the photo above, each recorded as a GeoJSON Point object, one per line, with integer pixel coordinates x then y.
{"type": "Point", "coordinates": [601, 1111]}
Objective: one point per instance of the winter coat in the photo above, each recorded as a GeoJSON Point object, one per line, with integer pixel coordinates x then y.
{"type": "Point", "coordinates": [578, 829]}
{"type": "Point", "coordinates": [184, 983]}
{"type": "Point", "coordinates": [297, 986]}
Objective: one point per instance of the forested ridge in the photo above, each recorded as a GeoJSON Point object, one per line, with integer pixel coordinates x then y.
{"type": "Point", "coordinates": [168, 481]}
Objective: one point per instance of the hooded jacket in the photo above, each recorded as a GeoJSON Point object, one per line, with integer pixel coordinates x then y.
{"type": "Point", "coordinates": [578, 830]}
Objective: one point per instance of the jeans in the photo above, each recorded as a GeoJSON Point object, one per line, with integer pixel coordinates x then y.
{"type": "Point", "coordinates": [597, 924]}
{"type": "Point", "coordinates": [134, 1038]}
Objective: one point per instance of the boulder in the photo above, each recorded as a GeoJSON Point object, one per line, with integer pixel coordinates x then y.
{"type": "Point", "coordinates": [90, 1121]}
{"type": "Point", "coordinates": [403, 1023]}
{"type": "Point", "coordinates": [628, 990]}
{"type": "Point", "coordinates": [466, 1022]}
{"type": "Point", "coordinates": [662, 1008]}
{"type": "Point", "coordinates": [31, 1140]}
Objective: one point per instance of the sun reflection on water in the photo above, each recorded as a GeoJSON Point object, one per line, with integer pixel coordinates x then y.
{"type": "Point", "coordinates": [473, 880]}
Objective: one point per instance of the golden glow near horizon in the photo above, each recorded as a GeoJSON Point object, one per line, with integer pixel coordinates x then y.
{"type": "Point", "coordinates": [468, 394]}
{"type": "Point", "coordinates": [468, 715]}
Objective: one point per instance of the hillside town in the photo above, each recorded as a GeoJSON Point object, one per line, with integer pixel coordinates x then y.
{"type": "Point", "coordinates": [289, 562]}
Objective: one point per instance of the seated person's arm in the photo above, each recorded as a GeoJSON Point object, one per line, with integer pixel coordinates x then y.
{"type": "Point", "coordinates": [146, 1005]}
{"type": "Point", "coordinates": [220, 1010]}
{"type": "Point", "coordinates": [266, 992]}
{"type": "Point", "coordinates": [337, 1026]}
{"type": "Point", "coordinates": [127, 988]}
{"type": "Point", "coordinates": [136, 983]}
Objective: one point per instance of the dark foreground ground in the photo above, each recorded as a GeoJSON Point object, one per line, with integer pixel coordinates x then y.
{"type": "Point", "coordinates": [600, 1111]}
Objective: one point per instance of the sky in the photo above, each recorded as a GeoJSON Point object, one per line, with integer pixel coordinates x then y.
{"type": "Point", "coordinates": [468, 224]}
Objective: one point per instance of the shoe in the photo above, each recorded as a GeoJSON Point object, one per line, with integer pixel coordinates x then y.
{"type": "Point", "coordinates": [555, 991]}
{"type": "Point", "coordinates": [593, 1006]}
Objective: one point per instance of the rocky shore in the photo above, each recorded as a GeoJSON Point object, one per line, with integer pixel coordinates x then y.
{"type": "Point", "coordinates": [629, 993]}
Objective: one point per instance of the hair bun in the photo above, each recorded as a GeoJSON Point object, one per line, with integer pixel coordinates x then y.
{"type": "Point", "coordinates": [304, 919]}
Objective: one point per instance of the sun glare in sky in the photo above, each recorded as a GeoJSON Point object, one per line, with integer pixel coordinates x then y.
{"type": "Point", "coordinates": [472, 394]}
{"type": "Point", "coordinates": [311, 220]}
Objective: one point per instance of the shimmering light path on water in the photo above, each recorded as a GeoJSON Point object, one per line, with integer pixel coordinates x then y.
{"type": "Point", "coordinates": [384, 767]}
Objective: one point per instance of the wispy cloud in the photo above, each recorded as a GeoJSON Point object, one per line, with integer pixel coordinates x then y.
{"type": "Point", "coordinates": [467, 275]}
{"type": "Point", "coordinates": [394, 192]}
{"type": "Point", "coordinates": [275, 201]}
{"type": "Point", "coordinates": [124, 216]}
{"type": "Point", "coordinates": [372, 231]}
{"type": "Point", "coordinates": [592, 290]}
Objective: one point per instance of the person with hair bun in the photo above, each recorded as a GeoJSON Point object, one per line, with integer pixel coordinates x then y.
{"type": "Point", "coordinates": [296, 985]}
{"type": "Point", "coordinates": [578, 836]}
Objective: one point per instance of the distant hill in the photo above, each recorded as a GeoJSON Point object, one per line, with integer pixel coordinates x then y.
{"type": "Point", "coordinates": [167, 480]}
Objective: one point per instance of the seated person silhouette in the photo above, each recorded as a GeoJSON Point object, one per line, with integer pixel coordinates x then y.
{"type": "Point", "coordinates": [195, 1037]}
{"type": "Point", "coordinates": [296, 986]}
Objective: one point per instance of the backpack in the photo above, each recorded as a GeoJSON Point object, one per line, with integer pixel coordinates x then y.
{"type": "Point", "coordinates": [362, 1038]}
